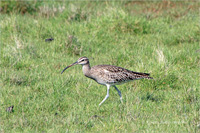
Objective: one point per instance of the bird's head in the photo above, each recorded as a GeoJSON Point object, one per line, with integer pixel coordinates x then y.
{"type": "Point", "coordinates": [81, 61]}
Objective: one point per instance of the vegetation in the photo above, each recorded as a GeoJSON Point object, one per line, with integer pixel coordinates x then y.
{"type": "Point", "coordinates": [161, 38]}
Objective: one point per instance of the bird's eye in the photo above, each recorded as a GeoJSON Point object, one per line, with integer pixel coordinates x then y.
{"type": "Point", "coordinates": [83, 60]}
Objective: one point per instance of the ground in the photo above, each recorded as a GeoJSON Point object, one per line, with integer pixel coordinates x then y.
{"type": "Point", "coordinates": [160, 38]}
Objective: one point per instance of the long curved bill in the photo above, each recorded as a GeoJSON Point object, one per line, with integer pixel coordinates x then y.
{"type": "Point", "coordinates": [69, 66]}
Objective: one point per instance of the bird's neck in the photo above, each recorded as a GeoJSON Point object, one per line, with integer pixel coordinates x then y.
{"type": "Point", "coordinates": [86, 69]}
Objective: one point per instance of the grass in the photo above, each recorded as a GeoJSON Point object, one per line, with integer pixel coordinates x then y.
{"type": "Point", "coordinates": [161, 38]}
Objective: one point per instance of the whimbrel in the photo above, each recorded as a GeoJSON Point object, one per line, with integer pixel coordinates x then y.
{"type": "Point", "coordinates": [108, 75]}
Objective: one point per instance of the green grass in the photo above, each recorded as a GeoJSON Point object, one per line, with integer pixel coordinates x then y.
{"type": "Point", "coordinates": [140, 36]}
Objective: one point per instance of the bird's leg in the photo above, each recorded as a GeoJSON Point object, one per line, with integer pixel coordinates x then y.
{"type": "Point", "coordinates": [108, 87]}
{"type": "Point", "coordinates": [119, 92]}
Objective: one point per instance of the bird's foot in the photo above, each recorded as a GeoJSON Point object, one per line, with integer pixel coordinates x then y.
{"type": "Point", "coordinates": [121, 100]}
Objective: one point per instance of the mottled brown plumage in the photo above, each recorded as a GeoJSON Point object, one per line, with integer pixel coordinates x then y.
{"type": "Point", "coordinates": [108, 75]}
{"type": "Point", "coordinates": [114, 75]}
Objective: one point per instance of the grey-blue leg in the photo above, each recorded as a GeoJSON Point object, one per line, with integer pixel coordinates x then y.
{"type": "Point", "coordinates": [108, 87]}
{"type": "Point", "coordinates": [119, 92]}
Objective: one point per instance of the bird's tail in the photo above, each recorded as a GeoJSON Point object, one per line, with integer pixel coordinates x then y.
{"type": "Point", "coordinates": [147, 76]}
{"type": "Point", "coordinates": [143, 75]}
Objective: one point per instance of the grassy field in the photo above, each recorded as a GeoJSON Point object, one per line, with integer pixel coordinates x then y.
{"type": "Point", "coordinates": [161, 38]}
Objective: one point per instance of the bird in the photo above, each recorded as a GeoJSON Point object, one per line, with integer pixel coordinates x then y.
{"type": "Point", "coordinates": [108, 75]}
